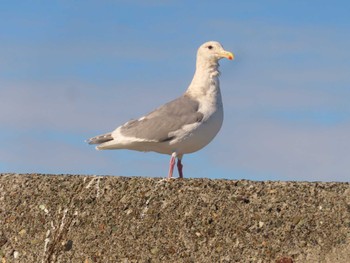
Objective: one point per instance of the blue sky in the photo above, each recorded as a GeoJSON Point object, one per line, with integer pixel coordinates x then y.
{"type": "Point", "coordinates": [70, 70]}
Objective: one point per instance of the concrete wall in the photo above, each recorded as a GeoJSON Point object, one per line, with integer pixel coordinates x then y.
{"type": "Point", "coordinates": [65, 218]}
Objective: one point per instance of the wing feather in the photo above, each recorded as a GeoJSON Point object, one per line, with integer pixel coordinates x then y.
{"type": "Point", "coordinates": [158, 124]}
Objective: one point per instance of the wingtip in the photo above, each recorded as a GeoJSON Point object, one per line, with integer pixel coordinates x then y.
{"type": "Point", "coordinates": [89, 141]}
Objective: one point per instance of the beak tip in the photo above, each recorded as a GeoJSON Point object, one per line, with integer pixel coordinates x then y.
{"type": "Point", "coordinates": [230, 56]}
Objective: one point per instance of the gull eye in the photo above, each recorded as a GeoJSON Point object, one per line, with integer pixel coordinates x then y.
{"type": "Point", "coordinates": [210, 47]}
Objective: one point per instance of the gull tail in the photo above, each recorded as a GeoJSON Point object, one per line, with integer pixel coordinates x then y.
{"type": "Point", "coordinates": [100, 139]}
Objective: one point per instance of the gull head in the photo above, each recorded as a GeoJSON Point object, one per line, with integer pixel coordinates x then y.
{"type": "Point", "coordinates": [213, 51]}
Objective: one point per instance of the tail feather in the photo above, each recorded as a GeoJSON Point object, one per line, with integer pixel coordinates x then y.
{"type": "Point", "coordinates": [101, 138]}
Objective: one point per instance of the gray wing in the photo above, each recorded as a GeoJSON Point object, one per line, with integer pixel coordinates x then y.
{"type": "Point", "coordinates": [170, 117]}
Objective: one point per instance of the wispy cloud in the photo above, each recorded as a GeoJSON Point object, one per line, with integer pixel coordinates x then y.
{"type": "Point", "coordinates": [286, 151]}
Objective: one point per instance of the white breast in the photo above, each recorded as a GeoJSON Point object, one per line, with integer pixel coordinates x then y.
{"type": "Point", "coordinates": [194, 137]}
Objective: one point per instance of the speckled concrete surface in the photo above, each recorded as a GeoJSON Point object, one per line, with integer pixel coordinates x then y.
{"type": "Point", "coordinates": [64, 218]}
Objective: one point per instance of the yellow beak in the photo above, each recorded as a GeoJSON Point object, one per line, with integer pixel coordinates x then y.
{"type": "Point", "coordinates": [226, 54]}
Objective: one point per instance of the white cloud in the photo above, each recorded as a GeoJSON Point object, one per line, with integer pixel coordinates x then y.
{"type": "Point", "coordinates": [285, 151]}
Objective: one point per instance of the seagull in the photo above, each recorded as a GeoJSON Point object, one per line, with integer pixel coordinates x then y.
{"type": "Point", "coordinates": [183, 125]}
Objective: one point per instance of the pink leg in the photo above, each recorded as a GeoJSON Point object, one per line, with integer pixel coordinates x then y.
{"type": "Point", "coordinates": [171, 165]}
{"type": "Point", "coordinates": [179, 167]}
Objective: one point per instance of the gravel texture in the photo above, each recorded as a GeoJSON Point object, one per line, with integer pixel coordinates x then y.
{"type": "Point", "coordinates": [70, 218]}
